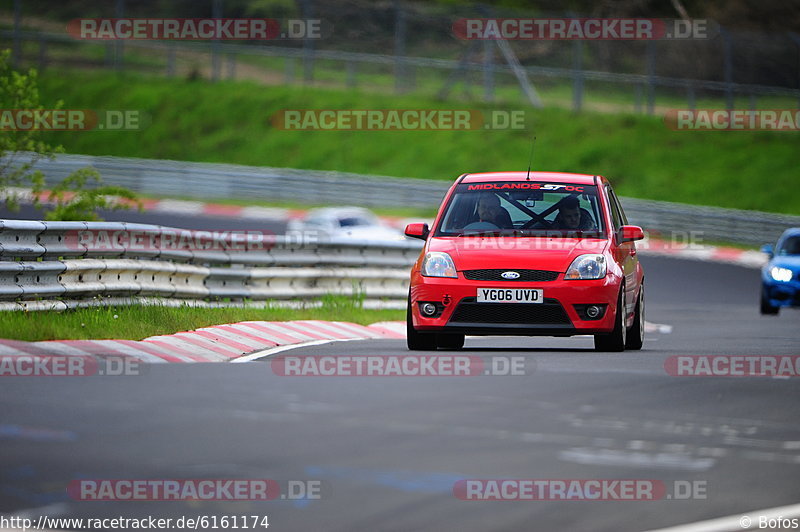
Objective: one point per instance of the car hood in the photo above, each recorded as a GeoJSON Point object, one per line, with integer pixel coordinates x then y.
{"type": "Point", "coordinates": [553, 254]}
{"type": "Point", "coordinates": [791, 262]}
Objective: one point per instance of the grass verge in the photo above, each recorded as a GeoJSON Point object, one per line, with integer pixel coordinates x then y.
{"type": "Point", "coordinates": [138, 322]}
{"type": "Point", "coordinates": [230, 122]}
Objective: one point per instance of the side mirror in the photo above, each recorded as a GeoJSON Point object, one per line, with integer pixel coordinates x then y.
{"type": "Point", "coordinates": [630, 233]}
{"type": "Point", "coordinates": [420, 231]}
{"type": "Point", "coordinates": [767, 249]}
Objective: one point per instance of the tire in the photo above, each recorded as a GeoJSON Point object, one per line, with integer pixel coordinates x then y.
{"type": "Point", "coordinates": [450, 341]}
{"type": "Point", "coordinates": [766, 308]}
{"type": "Point", "coordinates": [417, 341]}
{"type": "Point", "coordinates": [615, 340]}
{"type": "Point", "coordinates": [635, 335]}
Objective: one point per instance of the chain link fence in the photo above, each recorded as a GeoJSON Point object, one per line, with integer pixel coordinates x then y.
{"type": "Point", "coordinates": [410, 47]}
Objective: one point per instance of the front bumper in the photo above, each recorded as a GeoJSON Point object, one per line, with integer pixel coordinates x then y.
{"type": "Point", "coordinates": [560, 314]}
{"type": "Point", "coordinates": [782, 294]}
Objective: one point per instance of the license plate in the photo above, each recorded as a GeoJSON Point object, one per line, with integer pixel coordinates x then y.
{"type": "Point", "coordinates": [510, 295]}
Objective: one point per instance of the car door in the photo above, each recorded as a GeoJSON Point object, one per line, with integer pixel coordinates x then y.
{"type": "Point", "coordinates": [625, 252]}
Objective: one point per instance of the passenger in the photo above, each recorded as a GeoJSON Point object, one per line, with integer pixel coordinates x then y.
{"type": "Point", "coordinates": [572, 217]}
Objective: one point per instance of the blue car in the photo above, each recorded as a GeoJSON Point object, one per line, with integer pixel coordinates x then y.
{"type": "Point", "coordinates": [780, 278]}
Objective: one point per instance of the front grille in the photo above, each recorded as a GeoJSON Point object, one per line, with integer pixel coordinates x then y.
{"type": "Point", "coordinates": [524, 275]}
{"type": "Point", "coordinates": [550, 312]}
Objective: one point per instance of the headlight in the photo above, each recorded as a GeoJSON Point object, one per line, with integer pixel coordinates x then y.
{"type": "Point", "coordinates": [587, 267]}
{"type": "Point", "coordinates": [780, 274]}
{"type": "Point", "coordinates": [438, 264]}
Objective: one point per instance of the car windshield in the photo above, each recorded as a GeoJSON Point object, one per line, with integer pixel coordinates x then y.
{"type": "Point", "coordinates": [524, 209]}
{"type": "Point", "coordinates": [790, 246]}
{"type": "Point", "coordinates": [352, 221]}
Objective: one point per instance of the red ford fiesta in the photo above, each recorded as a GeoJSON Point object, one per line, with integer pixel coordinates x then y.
{"type": "Point", "coordinates": [531, 254]}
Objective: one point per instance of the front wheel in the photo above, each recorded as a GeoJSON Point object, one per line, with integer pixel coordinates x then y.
{"type": "Point", "coordinates": [766, 307]}
{"type": "Point", "coordinates": [417, 341]}
{"type": "Point", "coordinates": [635, 334]}
{"type": "Point", "coordinates": [616, 339]}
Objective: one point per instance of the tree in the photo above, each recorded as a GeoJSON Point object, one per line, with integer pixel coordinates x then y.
{"type": "Point", "coordinates": [78, 196]}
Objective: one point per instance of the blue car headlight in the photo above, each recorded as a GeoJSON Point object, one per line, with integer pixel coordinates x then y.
{"type": "Point", "coordinates": [780, 274]}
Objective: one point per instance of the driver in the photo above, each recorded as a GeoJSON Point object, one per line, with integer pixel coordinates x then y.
{"type": "Point", "coordinates": [489, 210]}
{"type": "Point", "coordinates": [572, 217]}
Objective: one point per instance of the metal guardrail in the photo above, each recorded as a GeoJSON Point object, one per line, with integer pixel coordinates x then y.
{"type": "Point", "coordinates": [209, 181]}
{"type": "Point", "coordinates": [283, 270]}
{"type": "Point", "coordinates": [702, 224]}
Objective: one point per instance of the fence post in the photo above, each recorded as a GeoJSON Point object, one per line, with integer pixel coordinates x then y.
{"type": "Point", "coordinates": [488, 71]}
{"type": "Point", "coordinates": [42, 52]}
{"type": "Point", "coordinates": [119, 44]}
{"type": "Point", "coordinates": [399, 47]}
{"type": "Point", "coordinates": [728, 66]}
{"type": "Point", "coordinates": [216, 12]}
{"type": "Point", "coordinates": [637, 98]}
{"type": "Point", "coordinates": [308, 45]}
{"type": "Point", "coordinates": [171, 59]}
{"type": "Point", "coordinates": [17, 55]}
{"type": "Point", "coordinates": [109, 55]}
{"type": "Point", "coordinates": [289, 72]}
{"type": "Point", "coordinates": [796, 39]}
{"type": "Point", "coordinates": [232, 65]}
{"type": "Point", "coordinates": [577, 73]}
{"type": "Point", "coordinates": [351, 74]}
{"type": "Point", "coordinates": [651, 73]}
